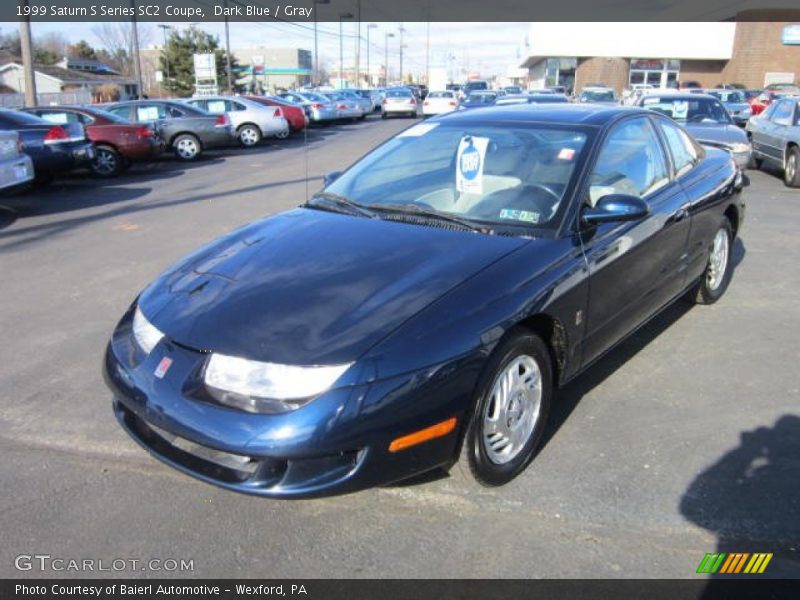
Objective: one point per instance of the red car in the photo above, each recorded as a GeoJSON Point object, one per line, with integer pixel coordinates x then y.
{"type": "Point", "coordinates": [760, 103]}
{"type": "Point", "coordinates": [294, 114]}
{"type": "Point", "coordinates": [117, 141]}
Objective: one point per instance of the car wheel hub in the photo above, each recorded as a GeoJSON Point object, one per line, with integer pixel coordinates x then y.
{"type": "Point", "coordinates": [791, 167]}
{"type": "Point", "coordinates": [105, 162]}
{"type": "Point", "coordinates": [248, 136]}
{"type": "Point", "coordinates": [718, 261]}
{"type": "Point", "coordinates": [513, 409]}
{"type": "Point", "coordinates": [187, 148]}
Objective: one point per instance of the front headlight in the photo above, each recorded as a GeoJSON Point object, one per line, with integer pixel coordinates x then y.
{"type": "Point", "coordinates": [740, 148]}
{"type": "Point", "coordinates": [745, 112]}
{"type": "Point", "coordinates": [266, 387]}
{"type": "Point", "coordinates": [144, 332]}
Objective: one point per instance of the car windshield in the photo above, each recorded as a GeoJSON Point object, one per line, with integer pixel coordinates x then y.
{"type": "Point", "coordinates": [729, 96]}
{"type": "Point", "coordinates": [480, 98]}
{"type": "Point", "coordinates": [315, 97]}
{"type": "Point", "coordinates": [476, 85]}
{"type": "Point", "coordinates": [689, 110]}
{"type": "Point", "coordinates": [20, 118]}
{"type": "Point", "coordinates": [499, 176]}
{"type": "Point", "coordinates": [598, 96]}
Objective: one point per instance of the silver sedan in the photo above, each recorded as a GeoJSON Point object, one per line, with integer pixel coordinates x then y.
{"type": "Point", "coordinates": [775, 135]}
{"type": "Point", "coordinates": [251, 121]}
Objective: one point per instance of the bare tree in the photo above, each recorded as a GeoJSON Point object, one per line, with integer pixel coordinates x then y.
{"type": "Point", "coordinates": [116, 43]}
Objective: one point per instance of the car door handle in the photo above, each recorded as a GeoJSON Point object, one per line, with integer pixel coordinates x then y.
{"type": "Point", "coordinates": [680, 214]}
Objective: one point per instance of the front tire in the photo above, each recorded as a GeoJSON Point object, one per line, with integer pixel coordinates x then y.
{"type": "Point", "coordinates": [513, 401]}
{"type": "Point", "coordinates": [791, 173]}
{"type": "Point", "coordinates": [719, 268]}
{"type": "Point", "coordinates": [187, 147]}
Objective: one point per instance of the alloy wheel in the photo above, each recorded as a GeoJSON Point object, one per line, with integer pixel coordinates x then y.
{"type": "Point", "coordinates": [248, 136]}
{"type": "Point", "coordinates": [187, 149]}
{"type": "Point", "coordinates": [718, 260]}
{"type": "Point", "coordinates": [105, 162]}
{"type": "Point", "coordinates": [513, 409]}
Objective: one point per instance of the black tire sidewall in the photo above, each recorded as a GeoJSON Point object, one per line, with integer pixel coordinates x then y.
{"type": "Point", "coordinates": [705, 295]}
{"type": "Point", "coordinates": [482, 468]}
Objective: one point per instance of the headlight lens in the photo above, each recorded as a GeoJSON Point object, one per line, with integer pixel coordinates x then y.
{"type": "Point", "coordinates": [739, 148]}
{"type": "Point", "coordinates": [745, 112]}
{"type": "Point", "coordinates": [145, 333]}
{"type": "Point", "coordinates": [266, 387]}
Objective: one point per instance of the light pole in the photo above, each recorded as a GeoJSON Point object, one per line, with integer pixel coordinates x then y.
{"type": "Point", "coordinates": [316, 80]}
{"type": "Point", "coordinates": [137, 65]}
{"type": "Point", "coordinates": [342, 17]}
{"type": "Point", "coordinates": [402, 31]}
{"type": "Point", "coordinates": [369, 77]}
{"type": "Point", "coordinates": [358, 43]}
{"type": "Point", "coordinates": [164, 28]}
{"type": "Point", "coordinates": [386, 59]}
{"type": "Point", "coordinates": [228, 51]}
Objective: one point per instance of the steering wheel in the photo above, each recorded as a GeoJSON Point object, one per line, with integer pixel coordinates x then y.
{"type": "Point", "coordinates": [556, 196]}
{"type": "Point", "coordinates": [699, 118]}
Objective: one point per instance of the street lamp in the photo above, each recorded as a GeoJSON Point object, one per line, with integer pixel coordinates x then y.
{"type": "Point", "coordinates": [316, 47]}
{"type": "Point", "coordinates": [386, 59]}
{"type": "Point", "coordinates": [342, 17]}
{"type": "Point", "coordinates": [402, 31]}
{"type": "Point", "coordinates": [165, 28]}
{"type": "Point", "coordinates": [369, 77]}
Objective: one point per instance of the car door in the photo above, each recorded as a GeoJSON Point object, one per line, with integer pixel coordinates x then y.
{"type": "Point", "coordinates": [775, 134]}
{"type": "Point", "coordinates": [635, 268]}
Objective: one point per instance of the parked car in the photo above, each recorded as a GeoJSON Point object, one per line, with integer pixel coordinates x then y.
{"type": "Point", "coordinates": [763, 100]}
{"type": "Point", "coordinates": [559, 89]}
{"type": "Point", "coordinates": [479, 100]}
{"type": "Point", "coordinates": [364, 102]}
{"type": "Point", "coordinates": [54, 149]}
{"type": "Point", "coordinates": [512, 89]}
{"type": "Point", "coordinates": [775, 135]}
{"type": "Point", "coordinates": [734, 102]}
{"type": "Point", "coordinates": [346, 108]}
{"type": "Point", "coordinates": [631, 95]}
{"type": "Point", "coordinates": [16, 167]}
{"type": "Point", "coordinates": [374, 96]}
{"type": "Point", "coordinates": [446, 313]}
{"type": "Point", "coordinates": [295, 114]}
{"type": "Point", "coordinates": [689, 85]}
{"type": "Point", "coordinates": [251, 120]}
{"type": "Point", "coordinates": [784, 88]}
{"type": "Point", "coordinates": [439, 103]}
{"type": "Point", "coordinates": [476, 85]}
{"type": "Point", "coordinates": [117, 141]}
{"type": "Point", "coordinates": [705, 118]}
{"type": "Point", "coordinates": [399, 101]}
{"type": "Point", "coordinates": [318, 108]}
{"type": "Point", "coordinates": [598, 95]}
{"type": "Point", "coordinates": [186, 130]}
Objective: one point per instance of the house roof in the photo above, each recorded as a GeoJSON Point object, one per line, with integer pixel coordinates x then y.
{"type": "Point", "coordinates": [70, 76]}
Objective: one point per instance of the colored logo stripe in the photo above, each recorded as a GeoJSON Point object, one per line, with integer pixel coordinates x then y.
{"type": "Point", "coordinates": [731, 564]}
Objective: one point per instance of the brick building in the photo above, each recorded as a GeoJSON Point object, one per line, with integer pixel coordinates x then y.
{"type": "Point", "coordinates": [749, 52]}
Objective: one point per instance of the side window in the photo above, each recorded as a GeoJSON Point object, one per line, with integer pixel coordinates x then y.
{"type": "Point", "coordinates": [121, 111]}
{"type": "Point", "coordinates": [218, 107]}
{"type": "Point", "coordinates": [683, 151]}
{"type": "Point", "coordinates": [235, 105]}
{"type": "Point", "coordinates": [150, 112]}
{"type": "Point", "coordinates": [59, 117]}
{"type": "Point", "coordinates": [782, 114]}
{"type": "Point", "coordinates": [173, 113]}
{"type": "Point", "coordinates": [769, 111]}
{"type": "Point", "coordinates": [630, 162]}
{"type": "Point", "coordinates": [201, 104]}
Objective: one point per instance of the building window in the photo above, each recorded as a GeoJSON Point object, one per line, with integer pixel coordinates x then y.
{"type": "Point", "coordinates": [655, 72]}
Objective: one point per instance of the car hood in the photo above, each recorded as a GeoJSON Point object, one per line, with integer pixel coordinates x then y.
{"type": "Point", "coordinates": [717, 133]}
{"type": "Point", "coordinates": [737, 106]}
{"type": "Point", "coordinates": [309, 287]}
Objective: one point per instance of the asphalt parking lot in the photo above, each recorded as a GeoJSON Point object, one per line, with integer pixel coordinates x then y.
{"type": "Point", "coordinates": [685, 440]}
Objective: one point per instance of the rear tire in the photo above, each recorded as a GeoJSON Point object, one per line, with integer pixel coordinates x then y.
{"type": "Point", "coordinates": [107, 162]}
{"type": "Point", "coordinates": [513, 401]}
{"type": "Point", "coordinates": [187, 147]}
{"type": "Point", "coordinates": [719, 268]}
{"type": "Point", "coordinates": [384, 115]}
{"type": "Point", "coordinates": [791, 173]}
{"type": "Point", "coordinates": [755, 162]}
{"type": "Point", "coordinates": [249, 135]}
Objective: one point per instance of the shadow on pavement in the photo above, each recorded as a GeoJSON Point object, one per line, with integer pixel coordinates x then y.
{"type": "Point", "coordinates": [749, 499]}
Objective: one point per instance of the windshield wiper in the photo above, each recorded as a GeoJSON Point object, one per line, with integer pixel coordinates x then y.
{"type": "Point", "coordinates": [340, 203]}
{"type": "Point", "coordinates": [416, 209]}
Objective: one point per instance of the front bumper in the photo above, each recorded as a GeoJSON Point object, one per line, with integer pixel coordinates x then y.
{"type": "Point", "coordinates": [337, 443]}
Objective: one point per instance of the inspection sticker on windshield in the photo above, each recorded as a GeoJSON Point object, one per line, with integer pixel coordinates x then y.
{"type": "Point", "coordinates": [566, 154]}
{"type": "Point", "coordinates": [527, 216]}
{"type": "Point", "coordinates": [418, 130]}
{"type": "Point", "coordinates": [469, 164]}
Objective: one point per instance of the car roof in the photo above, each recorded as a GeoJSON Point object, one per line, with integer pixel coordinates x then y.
{"type": "Point", "coordinates": [683, 95]}
{"type": "Point", "coordinates": [556, 113]}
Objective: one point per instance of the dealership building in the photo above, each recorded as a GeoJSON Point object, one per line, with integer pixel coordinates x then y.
{"type": "Point", "coordinates": [619, 55]}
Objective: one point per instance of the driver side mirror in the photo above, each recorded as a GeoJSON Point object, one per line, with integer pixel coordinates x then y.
{"type": "Point", "coordinates": [329, 178]}
{"type": "Point", "coordinates": [615, 208]}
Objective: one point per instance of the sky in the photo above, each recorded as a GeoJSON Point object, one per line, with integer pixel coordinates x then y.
{"type": "Point", "coordinates": [488, 48]}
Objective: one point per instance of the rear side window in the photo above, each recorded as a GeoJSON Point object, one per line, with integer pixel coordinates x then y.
{"type": "Point", "coordinates": [782, 114]}
{"type": "Point", "coordinates": [630, 162]}
{"type": "Point", "coordinates": [13, 119]}
{"type": "Point", "coordinates": [124, 112]}
{"type": "Point", "coordinates": [683, 151]}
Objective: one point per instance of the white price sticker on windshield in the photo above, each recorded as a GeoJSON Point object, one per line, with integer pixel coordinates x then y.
{"type": "Point", "coordinates": [469, 164]}
{"type": "Point", "coordinates": [58, 118]}
{"type": "Point", "coordinates": [146, 113]}
{"type": "Point", "coordinates": [680, 109]}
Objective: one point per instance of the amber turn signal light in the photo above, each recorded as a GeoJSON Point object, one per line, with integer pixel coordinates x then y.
{"type": "Point", "coordinates": [423, 435]}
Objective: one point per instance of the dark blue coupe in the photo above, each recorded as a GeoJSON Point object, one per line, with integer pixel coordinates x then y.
{"type": "Point", "coordinates": [425, 306]}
